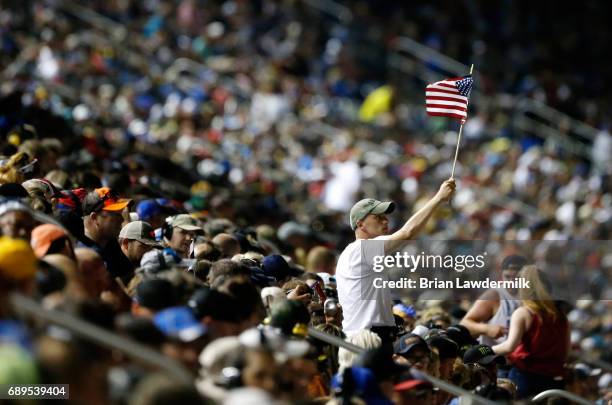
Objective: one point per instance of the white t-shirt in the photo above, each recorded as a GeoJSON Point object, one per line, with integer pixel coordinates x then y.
{"type": "Point", "coordinates": [363, 305]}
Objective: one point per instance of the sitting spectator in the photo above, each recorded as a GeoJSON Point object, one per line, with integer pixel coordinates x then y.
{"type": "Point", "coordinates": [411, 350]}
{"type": "Point", "coordinates": [153, 295]}
{"type": "Point", "coordinates": [102, 221]}
{"type": "Point", "coordinates": [227, 244]}
{"type": "Point", "coordinates": [51, 239]}
{"type": "Point", "coordinates": [483, 356]}
{"type": "Point", "coordinates": [136, 239]}
{"type": "Point", "coordinates": [321, 260]}
{"type": "Point", "coordinates": [179, 232]}
{"type": "Point", "coordinates": [185, 335]}
{"type": "Point", "coordinates": [217, 311]}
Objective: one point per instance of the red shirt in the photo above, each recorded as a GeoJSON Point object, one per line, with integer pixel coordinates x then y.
{"type": "Point", "coordinates": [544, 346]}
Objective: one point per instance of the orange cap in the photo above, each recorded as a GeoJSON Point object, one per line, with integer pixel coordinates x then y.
{"type": "Point", "coordinates": [43, 236]}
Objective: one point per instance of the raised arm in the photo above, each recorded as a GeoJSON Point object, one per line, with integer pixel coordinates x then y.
{"type": "Point", "coordinates": [416, 223]}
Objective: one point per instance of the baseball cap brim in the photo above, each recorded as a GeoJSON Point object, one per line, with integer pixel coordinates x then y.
{"type": "Point", "coordinates": [386, 207]}
{"type": "Point", "coordinates": [150, 242]}
{"type": "Point", "coordinates": [485, 361]}
{"type": "Point", "coordinates": [42, 242]}
{"type": "Point", "coordinates": [189, 227]}
{"type": "Point", "coordinates": [399, 348]}
{"type": "Point", "coordinates": [191, 333]}
{"type": "Point", "coordinates": [411, 384]}
{"type": "Point", "coordinates": [117, 205]}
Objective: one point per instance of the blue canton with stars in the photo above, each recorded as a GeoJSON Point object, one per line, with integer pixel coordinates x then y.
{"type": "Point", "coordinates": [465, 86]}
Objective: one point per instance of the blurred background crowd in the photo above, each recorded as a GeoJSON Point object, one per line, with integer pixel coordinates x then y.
{"type": "Point", "coordinates": [183, 171]}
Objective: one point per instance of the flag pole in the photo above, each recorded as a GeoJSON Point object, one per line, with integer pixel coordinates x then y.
{"type": "Point", "coordinates": [459, 137]}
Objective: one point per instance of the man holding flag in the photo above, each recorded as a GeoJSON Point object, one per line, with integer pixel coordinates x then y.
{"type": "Point", "coordinates": [364, 306]}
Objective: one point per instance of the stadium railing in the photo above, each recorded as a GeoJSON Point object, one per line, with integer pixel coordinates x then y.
{"type": "Point", "coordinates": [26, 307]}
{"type": "Point", "coordinates": [544, 395]}
{"type": "Point", "coordinates": [332, 8]}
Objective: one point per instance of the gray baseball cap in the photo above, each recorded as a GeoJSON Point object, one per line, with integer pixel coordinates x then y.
{"type": "Point", "coordinates": [368, 206]}
{"type": "Point", "coordinates": [185, 222]}
{"type": "Point", "coordinates": [141, 231]}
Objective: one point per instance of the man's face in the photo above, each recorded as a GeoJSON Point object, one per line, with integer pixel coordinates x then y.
{"type": "Point", "coordinates": [509, 274]}
{"type": "Point", "coordinates": [109, 224]}
{"type": "Point", "coordinates": [136, 250]}
{"type": "Point", "coordinates": [418, 358]}
{"type": "Point", "coordinates": [374, 225]}
{"type": "Point", "coordinates": [181, 241]}
{"type": "Point", "coordinates": [17, 225]}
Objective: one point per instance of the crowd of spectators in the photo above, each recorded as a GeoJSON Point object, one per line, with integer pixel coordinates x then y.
{"type": "Point", "coordinates": [199, 212]}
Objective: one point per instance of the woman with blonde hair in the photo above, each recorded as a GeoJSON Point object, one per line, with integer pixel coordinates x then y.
{"type": "Point", "coordinates": [539, 338]}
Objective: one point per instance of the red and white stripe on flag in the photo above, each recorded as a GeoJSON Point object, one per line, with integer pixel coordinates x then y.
{"type": "Point", "coordinates": [444, 99]}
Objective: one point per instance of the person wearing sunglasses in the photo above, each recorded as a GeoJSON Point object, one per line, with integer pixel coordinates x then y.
{"type": "Point", "coordinates": [102, 220]}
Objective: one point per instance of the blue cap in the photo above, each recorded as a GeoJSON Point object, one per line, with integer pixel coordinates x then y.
{"type": "Point", "coordinates": [363, 383]}
{"type": "Point", "coordinates": [275, 266]}
{"type": "Point", "coordinates": [147, 209]}
{"type": "Point", "coordinates": [179, 323]}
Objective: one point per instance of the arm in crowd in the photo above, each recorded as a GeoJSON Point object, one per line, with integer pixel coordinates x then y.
{"type": "Point", "coordinates": [479, 314]}
{"type": "Point", "coordinates": [519, 324]}
{"type": "Point", "coordinates": [415, 224]}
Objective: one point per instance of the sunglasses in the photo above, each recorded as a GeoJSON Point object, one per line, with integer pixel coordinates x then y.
{"type": "Point", "coordinates": [109, 195]}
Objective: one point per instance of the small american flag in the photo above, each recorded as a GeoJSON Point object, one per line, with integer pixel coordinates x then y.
{"type": "Point", "coordinates": [449, 98]}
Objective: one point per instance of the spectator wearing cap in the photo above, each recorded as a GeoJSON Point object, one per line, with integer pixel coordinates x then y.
{"type": "Point", "coordinates": [408, 315]}
{"type": "Point", "coordinates": [411, 350]}
{"type": "Point", "coordinates": [447, 352]}
{"type": "Point", "coordinates": [371, 308]}
{"type": "Point", "coordinates": [153, 295]}
{"type": "Point", "coordinates": [485, 357]}
{"type": "Point", "coordinates": [152, 212]}
{"type": "Point", "coordinates": [50, 239]}
{"type": "Point", "coordinates": [276, 266]}
{"type": "Point", "coordinates": [102, 210]}
{"type": "Point", "coordinates": [361, 383]}
{"type": "Point", "coordinates": [136, 239]}
{"type": "Point", "coordinates": [185, 335]}
{"type": "Point", "coordinates": [217, 311]}
{"type": "Point", "coordinates": [490, 315]}
{"type": "Point", "coordinates": [538, 341]}
{"type": "Point", "coordinates": [462, 337]}
{"type": "Point", "coordinates": [179, 232]}
{"type": "Point", "coordinates": [214, 359]}
{"type": "Point", "coordinates": [412, 391]}
{"type": "Point", "coordinates": [18, 266]}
